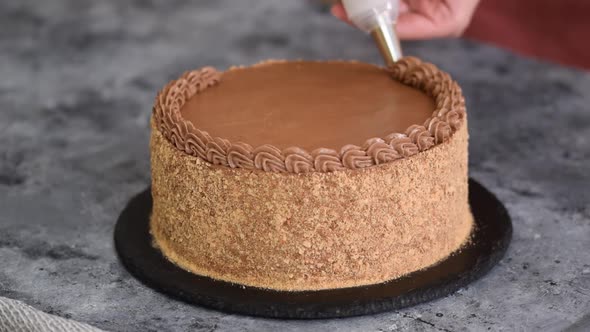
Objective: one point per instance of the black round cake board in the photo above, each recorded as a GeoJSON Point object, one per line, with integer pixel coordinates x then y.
{"type": "Point", "coordinates": [490, 240]}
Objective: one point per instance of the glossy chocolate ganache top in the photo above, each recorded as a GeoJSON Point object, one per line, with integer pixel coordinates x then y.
{"type": "Point", "coordinates": [307, 104]}
{"type": "Point", "coordinates": [300, 116]}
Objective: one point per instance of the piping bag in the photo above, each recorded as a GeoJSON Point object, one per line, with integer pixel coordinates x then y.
{"type": "Point", "coordinates": [377, 17]}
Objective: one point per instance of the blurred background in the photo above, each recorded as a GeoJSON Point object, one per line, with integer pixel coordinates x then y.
{"type": "Point", "coordinates": [553, 30]}
{"type": "Point", "coordinates": [544, 29]}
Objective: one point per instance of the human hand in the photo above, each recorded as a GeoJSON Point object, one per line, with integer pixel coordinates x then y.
{"type": "Point", "coordinates": [425, 19]}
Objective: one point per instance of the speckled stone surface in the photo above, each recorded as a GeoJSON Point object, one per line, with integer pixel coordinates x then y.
{"type": "Point", "coordinates": [78, 82]}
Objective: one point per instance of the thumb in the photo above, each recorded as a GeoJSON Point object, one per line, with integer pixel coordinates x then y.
{"type": "Point", "coordinates": [412, 25]}
{"type": "Point", "coordinates": [339, 11]}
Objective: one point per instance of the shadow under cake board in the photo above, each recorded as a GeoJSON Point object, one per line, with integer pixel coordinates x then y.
{"type": "Point", "coordinates": [490, 239]}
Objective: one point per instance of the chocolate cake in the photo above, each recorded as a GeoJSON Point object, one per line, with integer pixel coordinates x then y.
{"type": "Point", "coordinates": [299, 175]}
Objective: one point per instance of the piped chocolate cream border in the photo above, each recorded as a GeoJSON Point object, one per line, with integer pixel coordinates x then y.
{"type": "Point", "coordinates": [448, 116]}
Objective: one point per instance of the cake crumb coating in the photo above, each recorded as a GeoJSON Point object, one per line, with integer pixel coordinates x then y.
{"type": "Point", "coordinates": [310, 231]}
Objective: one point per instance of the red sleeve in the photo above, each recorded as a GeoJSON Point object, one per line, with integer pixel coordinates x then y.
{"type": "Point", "coordinates": [547, 29]}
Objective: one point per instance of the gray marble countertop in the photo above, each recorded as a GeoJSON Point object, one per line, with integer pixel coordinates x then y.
{"type": "Point", "coordinates": [77, 82]}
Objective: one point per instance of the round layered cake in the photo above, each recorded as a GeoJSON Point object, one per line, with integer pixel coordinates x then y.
{"type": "Point", "coordinates": [310, 175]}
